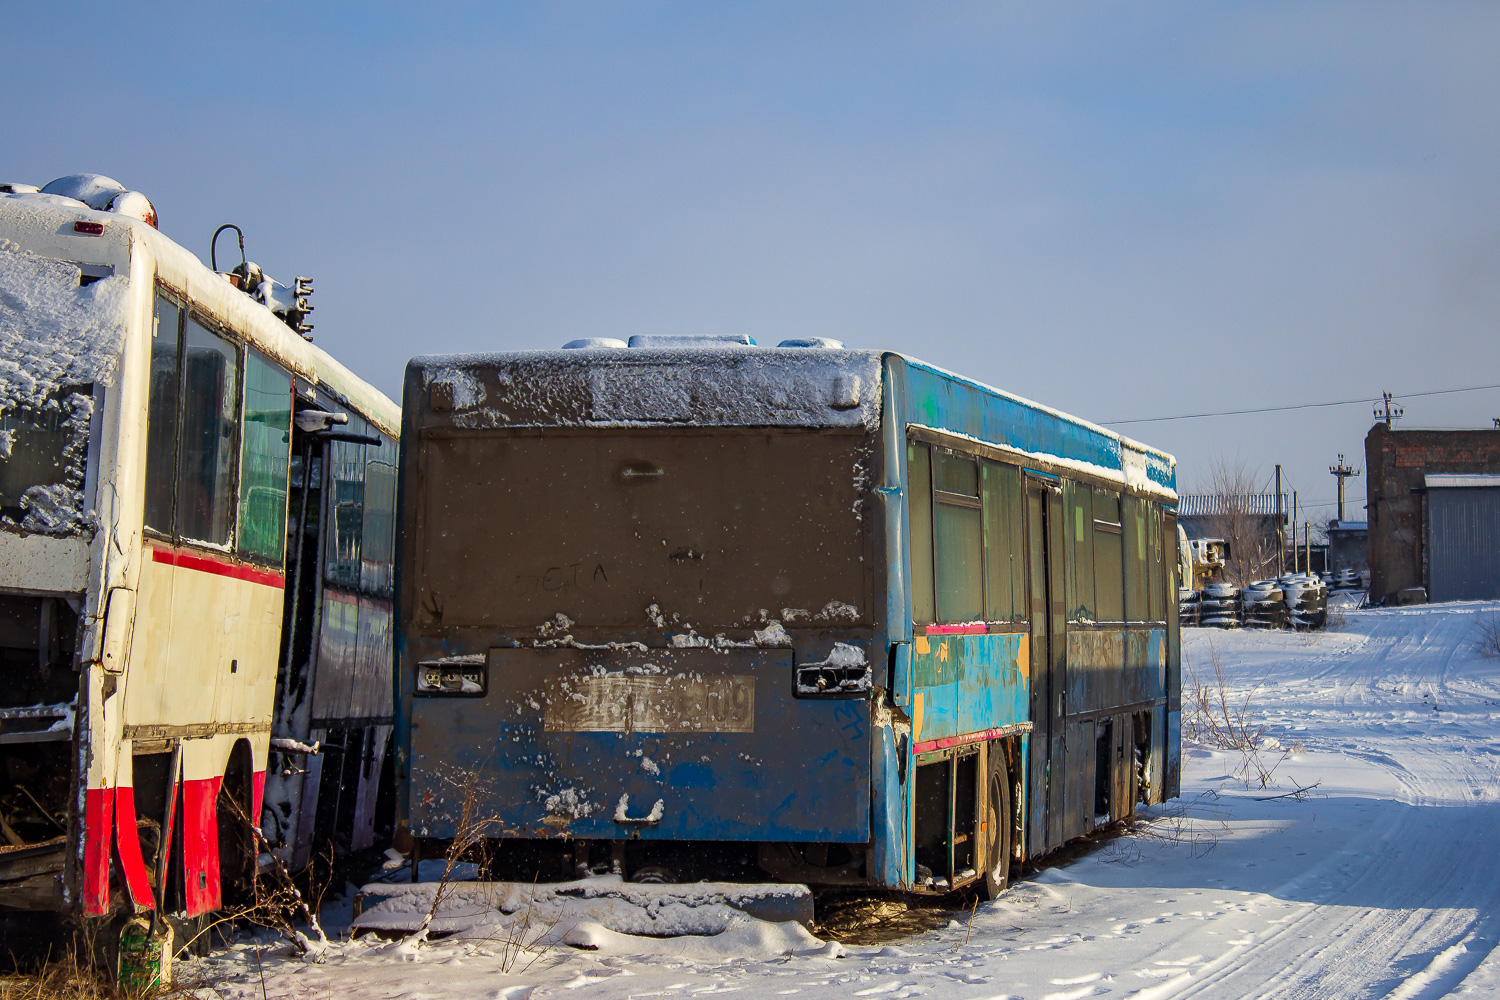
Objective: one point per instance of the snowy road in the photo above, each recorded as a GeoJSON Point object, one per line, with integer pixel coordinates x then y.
{"type": "Point", "coordinates": [1383, 881]}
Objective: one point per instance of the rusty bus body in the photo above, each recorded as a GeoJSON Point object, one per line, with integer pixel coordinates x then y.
{"type": "Point", "coordinates": [827, 616]}
{"type": "Point", "coordinates": [158, 629]}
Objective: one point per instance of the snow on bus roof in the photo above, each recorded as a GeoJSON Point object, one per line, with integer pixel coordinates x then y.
{"type": "Point", "coordinates": [731, 385]}
{"type": "Point", "coordinates": [653, 386]}
{"type": "Point", "coordinates": [39, 226]}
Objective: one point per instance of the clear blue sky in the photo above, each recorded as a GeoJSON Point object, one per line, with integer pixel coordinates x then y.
{"type": "Point", "coordinates": [1122, 210]}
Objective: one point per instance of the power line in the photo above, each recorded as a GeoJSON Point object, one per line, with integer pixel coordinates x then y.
{"type": "Point", "coordinates": [1295, 406]}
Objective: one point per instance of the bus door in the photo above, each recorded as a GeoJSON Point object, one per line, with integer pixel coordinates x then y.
{"type": "Point", "coordinates": [1044, 550]}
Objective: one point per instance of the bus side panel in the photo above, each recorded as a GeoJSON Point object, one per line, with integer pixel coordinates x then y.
{"type": "Point", "coordinates": [205, 643]}
{"type": "Point", "coordinates": [891, 864]}
{"type": "Point", "coordinates": [966, 685]}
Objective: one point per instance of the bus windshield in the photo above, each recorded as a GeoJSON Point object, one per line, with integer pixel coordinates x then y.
{"type": "Point", "coordinates": [60, 337]}
{"type": "Point", "coordinates": [680, 530]}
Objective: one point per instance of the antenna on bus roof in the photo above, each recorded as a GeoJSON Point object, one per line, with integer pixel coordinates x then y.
{"type": "Point", "coordinates": [289, 304]}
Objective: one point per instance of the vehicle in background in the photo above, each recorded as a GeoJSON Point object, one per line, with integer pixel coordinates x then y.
{"type": "Point", "coordinates": [156, 419]}
{"type": "Point", "coordinates": [1208, 557]}
{"type": "Point", "coordinates": [695, 609]}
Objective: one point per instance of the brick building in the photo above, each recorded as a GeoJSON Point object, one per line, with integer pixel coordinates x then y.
{"type": "Point", "coordinates": [1434, 513]}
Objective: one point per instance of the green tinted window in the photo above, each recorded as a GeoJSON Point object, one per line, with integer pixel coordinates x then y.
{"type": "Point", "coordinates": [379, 531]}
{"type": "Point", "coordinates": [1079, 513]}
{"type": "Point", "coordinates": [1158, 570]}
{"type": "Point", "coordinates": [1006, 597]}
{"type": "Point", "coordinates": [919, 504]}
{"type": "Point", "coordinates": [346, 478]}
{"type": "Point", "coordinates": [957, 474]}
{"type": "Point", "coordinates": [1109, 558]}
{"type": "Point", "coordinates": [959, 537]}
{"type": "Point", "coordinates": [1137, 557]}
{"type": "Point", "coordinates": [206, 443]}
{"type": "Point", "coordinates": [265, 458]}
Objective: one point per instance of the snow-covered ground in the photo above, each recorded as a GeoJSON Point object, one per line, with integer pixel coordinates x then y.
{"type": "Point", "coordinates": [1382, 881]}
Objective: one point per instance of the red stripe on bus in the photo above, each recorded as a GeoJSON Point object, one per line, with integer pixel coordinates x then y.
{"type": "Point", "coordinates": [257, 794]}
{"type": "Point", "coordinates": [98, 812]}
{"type": "Point", "coordinates": [128, 840]}
{"type": "Point", "coordinates": [956, 741]}
{"type": "Point", "coordinates": [200, 845]}
{"type": "Point", "coordinates": [967, 628]}
{"type": "Point", "coordinates": [219, 567]}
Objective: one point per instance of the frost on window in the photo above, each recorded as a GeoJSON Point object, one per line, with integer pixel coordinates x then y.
{"type": "Point", "coordinates": [58, 340]}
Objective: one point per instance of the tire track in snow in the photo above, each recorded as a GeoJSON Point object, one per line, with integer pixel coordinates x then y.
{"type": "Point", "coordinates": [1436, 850]}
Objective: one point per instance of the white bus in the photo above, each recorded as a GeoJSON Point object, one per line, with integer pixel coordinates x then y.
{"type": "Point", "coordinates": [196, 534]}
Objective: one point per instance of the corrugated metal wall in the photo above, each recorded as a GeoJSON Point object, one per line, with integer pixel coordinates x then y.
{"type": "Point", "coordinates": [1463, 543]}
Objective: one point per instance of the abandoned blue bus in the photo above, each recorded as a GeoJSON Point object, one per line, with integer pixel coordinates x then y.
{"type": "Point", "coordinates": [688, 608]}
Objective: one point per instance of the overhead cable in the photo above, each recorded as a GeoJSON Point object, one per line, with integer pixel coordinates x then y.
{"type": "Point", "coordinates": [1295, 406]}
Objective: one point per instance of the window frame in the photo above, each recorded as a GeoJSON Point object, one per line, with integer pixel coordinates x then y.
{"type": "Point", "coordinates": [1149, 510]}
{"type": "Point", "coordinates": [948, 499]}
{"type": "Point", "coordinates": [251, 351]}
{"type": "Point", "coordinates": [1116, 529]}
{"type": "Point", "coordinates": [187, 309]}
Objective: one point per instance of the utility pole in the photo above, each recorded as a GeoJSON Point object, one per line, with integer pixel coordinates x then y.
{"type": "Point", "coordinates": [1281, 527]}
{"type": "Point", "coordinates": [1294, 531]}
{"type": "Point", "coordinates": [1387, 412]}
{"type": "Point", "coordinates": [1342, 471]}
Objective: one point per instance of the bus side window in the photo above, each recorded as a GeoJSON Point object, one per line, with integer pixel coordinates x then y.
{"type": "Point", "coordinates": [205, 461]}
{"type": "Point", "coordinates": [379, 529]}
{"type": "Point", "coordinates": [958, 538]}
{"type": "Point", "coordinates": [1078, 513]}
{"type": "Point", "coordinates": [1109, 580]}
{"type": "Point", "coordinates": [919, 502]}
{"type": "Point", "coordinates": [265, 460]}
{"type": "Point", "coordinates": [1005, 596]}
{"type": "Point", "coordinates": [1137, 558]}
{"type": "Point", "coordinates": [161, 428]}
{"type": "Point", "coordinates": [1156, 570]}
{"type": "Point", "coordinates": [347, 506]}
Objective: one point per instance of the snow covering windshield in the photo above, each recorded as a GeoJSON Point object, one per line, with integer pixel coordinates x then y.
{"type": "Point", "coordinates": [60, 340]}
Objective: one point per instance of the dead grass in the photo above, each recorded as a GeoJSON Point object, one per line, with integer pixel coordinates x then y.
{"type": "Point", "coordinates": [75, 978]}
{"type": "Point", "coordinates": [69, 979]}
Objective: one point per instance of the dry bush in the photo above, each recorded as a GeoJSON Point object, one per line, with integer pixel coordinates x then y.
{"type": "Point", "coordinates": [1213, 717]}
{"type": "Point", "coordinates": [1487, 634]}
{"type": "Point", "coordinates": [1171, 825]}
{"type": "Point", "coordinates": [471, 832]}
{"type": "Point", "coordinates": [275, 900]}
{"type": "Point", "coordinates": [1251, 535]}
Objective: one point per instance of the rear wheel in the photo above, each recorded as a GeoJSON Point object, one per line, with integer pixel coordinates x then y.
{"type": "Point", "coordinates": [998, 819]}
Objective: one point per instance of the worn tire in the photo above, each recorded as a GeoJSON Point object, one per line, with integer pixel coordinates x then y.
{"type": "Point", "coordinates": [998, 816]}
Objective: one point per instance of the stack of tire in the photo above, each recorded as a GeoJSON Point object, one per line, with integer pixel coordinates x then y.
{"type": "Point", "coordinates": [1346, 579]}
{"type": "Point", "coordinates": [1219, 606]}
{"type": "Point", "coordinates": [1262, 605]}
{"type": "Point", "coordinates": [1188, 607]}
{"type": "Point", "coordinates": [1306, 600]}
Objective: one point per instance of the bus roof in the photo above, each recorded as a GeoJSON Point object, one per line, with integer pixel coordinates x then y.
{"type": "Point", "coordinates": [750, 386]}
{"type": "Point", "coordinates": [43, 225]}
{"type": "Point", "coordinates": [943, 400]}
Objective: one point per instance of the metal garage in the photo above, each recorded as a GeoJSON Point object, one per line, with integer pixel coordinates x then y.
{"type": "Point", "coordinates": [1463, 537]}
